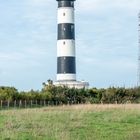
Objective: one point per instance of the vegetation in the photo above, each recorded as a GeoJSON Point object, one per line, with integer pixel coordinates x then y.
{"type": "Point", "coordinates": [76, 122]}
{"type": "Point", "coordinates": [64, 95]}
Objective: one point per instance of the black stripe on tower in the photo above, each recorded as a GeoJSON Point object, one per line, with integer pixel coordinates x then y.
{"type": "Point", "coordinates": [65, 4]}
{"type": "Point", "coordinates": [66, 65]}
{"type": "Point", "coordinates": [66, 31]}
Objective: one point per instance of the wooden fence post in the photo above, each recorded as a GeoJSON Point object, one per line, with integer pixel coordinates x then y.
{"type": "Point", "coordinates": [44, 103]}
{"type": "Point", "coordinates": [36, 103]}
{"type": "Point", "coordinates": [15, 104]}
{"type": "Point", "coordinates": [31, 103]}
{"type": "Point", "coordinates": [40, 103]}
{"type": "Point", "coordinates": [1, 104]}
{"type": "Point", "coordinates": [48, 103]}
{"type": "Point", "coordinates": [25, 103]}
{"type": "Point", "coordinates": [8, 102]}
{"type": "Point", "coordinates": [20, 103]}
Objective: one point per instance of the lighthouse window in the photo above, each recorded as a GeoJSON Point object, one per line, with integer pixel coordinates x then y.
{"type": "Point", "coordinates": [64, 43]}
{"type": "Point", "coordinates": [72, 27]}
{"type": "Point", "coordinates": [72, 3]}
{"type": "Point", "coordinates": [64, 14]}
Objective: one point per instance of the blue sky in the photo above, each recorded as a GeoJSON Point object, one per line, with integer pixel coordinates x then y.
{"type": "Point", "coordinates": [106, 42]}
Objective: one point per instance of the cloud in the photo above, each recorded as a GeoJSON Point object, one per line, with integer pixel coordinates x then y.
{"type": "Point", "coordinates": [102, 5]}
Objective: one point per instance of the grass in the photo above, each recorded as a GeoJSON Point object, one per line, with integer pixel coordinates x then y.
{"type": "Point", "coordinates": [77, 122]}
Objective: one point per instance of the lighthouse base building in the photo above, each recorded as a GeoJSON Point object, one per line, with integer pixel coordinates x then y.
{"type": "Point", "coordinates": [72, 84]}
{"type": "Point", "coordinates": [66, 59]}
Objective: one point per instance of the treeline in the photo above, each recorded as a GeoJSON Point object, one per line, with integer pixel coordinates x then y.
{"type": "Point", "coordinates": [64, 95]}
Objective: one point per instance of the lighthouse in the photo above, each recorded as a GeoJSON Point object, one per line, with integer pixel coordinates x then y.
{"type": "Point", "coordinates": [66, 56]}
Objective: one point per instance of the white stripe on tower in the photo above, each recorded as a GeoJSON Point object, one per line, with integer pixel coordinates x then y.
{"type": "Point", "coordinates": [66, 67]}
{"type": "Point", "coordinates": [65, 48]}
{"type": "Point", "coordinates": [66, 77]}
{"type": "Point", "coordinates": [65, 15]}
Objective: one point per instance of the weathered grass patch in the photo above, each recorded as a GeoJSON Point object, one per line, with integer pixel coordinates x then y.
{"type": "Point", "coordinates": [79, 122]}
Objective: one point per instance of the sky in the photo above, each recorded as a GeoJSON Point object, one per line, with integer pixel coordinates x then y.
{"type": "Point", "coordinates": [106, 42]}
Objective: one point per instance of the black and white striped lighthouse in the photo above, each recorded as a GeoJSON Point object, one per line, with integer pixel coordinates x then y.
{"type": "Point", "coordinates": [66, 66]}
{"type": "Point", "coordinates": [66, 60]}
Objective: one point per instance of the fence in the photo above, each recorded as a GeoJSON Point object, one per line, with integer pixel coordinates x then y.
{"type": "Point", "coordinates": [7, 104]}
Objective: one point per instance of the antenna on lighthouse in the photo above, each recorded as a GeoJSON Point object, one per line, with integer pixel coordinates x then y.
{"type": "Point", "coordinates": [138, 83]}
